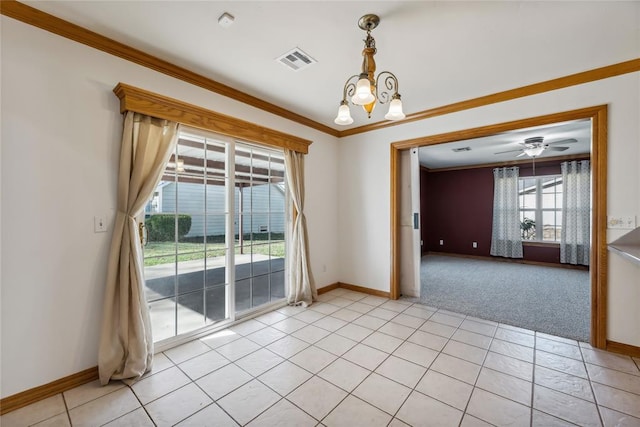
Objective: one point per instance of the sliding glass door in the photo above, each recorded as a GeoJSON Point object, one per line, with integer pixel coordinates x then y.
{"type": "Point", "coordinates": [214, 234]}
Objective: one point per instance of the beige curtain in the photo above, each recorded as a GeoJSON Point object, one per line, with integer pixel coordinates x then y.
{"type": "Point", "coordinates": [126, 344]}
{"type": "Point", "coordinates": [301, 289]}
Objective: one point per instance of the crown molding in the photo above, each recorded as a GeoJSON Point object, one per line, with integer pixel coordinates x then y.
{"type": "Point", "coordinates": [606, 72]}
{"type": "Point", "coordinates": [55, 25]}
{"type": "Point", "coordinates": [539, 161]}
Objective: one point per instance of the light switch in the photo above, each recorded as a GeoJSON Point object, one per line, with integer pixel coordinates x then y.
{"type": "Point", "coordinates": [624, 222]}
{"type": "Point", "coordinates": [99, 224]}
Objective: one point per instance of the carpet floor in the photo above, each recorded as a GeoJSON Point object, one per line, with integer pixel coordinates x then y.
{"type": "Point", "coordinates": [545, 299]}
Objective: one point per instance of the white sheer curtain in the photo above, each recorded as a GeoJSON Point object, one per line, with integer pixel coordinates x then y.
{"type": "Point", "coordinates": [301, 289]}
{"type": "Point", "coordinates": [506, 239]}
{"type": "Point", "coordinates": [126, 343]}
{"type": "Point", "coordinates": [575, 238]}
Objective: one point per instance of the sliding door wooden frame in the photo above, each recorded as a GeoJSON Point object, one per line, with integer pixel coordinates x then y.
{"type": "Point", "coordinates": [598, 267]}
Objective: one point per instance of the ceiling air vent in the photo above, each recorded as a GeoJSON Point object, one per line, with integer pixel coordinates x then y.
{"type": "Point", "coordinates": [296, 59]}
{"type": "Point", "coordinates": [457, 150]}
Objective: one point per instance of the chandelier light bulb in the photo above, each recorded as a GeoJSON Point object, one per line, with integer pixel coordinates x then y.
{"type": "Point", "coordinates": [395, 109]}
{"type": "Point", "coordinates": [344, 115]}
{"type": "Point", "coordinates": [363, 95]}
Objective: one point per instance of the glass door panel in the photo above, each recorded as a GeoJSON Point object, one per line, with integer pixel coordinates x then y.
{"type": "Point", "coordinates": [260, 203]}
{"type": "Point", "coordinates": [186, 250]}
{"type": "Point", "coordinates": [215, 234]}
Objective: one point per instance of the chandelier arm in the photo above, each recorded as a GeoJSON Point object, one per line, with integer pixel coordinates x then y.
{"type": "Point", "coordinates": [389, 89]}
{"type": "Point", "coordinates": [349, 87]}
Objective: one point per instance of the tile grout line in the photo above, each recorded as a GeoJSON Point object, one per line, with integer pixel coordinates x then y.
{"type": "Point", "coordinates": [593, 392]}
{"type": "Point", "coordinates": [144, 408]}
{"type": "Point", "coordinates": [213, 401]}
{"type": "Point", "coordinates": [475, 383]}
{"type": "Point", "coordinates": [370, 332]}
{"type": "Point", "coordinates": [66, 407]}
{"type": "Point", "coordinates": [425, 373]}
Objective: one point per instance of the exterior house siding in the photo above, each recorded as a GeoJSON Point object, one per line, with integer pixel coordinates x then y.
{"type": "Point", "coordinates": [255, 200]}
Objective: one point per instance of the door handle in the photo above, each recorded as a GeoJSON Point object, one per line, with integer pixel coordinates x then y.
{"type": "Point", "coordinates": [143, 234]}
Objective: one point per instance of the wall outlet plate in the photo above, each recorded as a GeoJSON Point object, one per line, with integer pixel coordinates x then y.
{"type": "Point", "coordinates": [627, 222]}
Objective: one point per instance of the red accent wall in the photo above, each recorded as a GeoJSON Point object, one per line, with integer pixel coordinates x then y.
{"type": "Point", "coordinates": [457, 207]}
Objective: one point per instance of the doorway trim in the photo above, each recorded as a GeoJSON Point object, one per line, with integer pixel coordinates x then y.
{"type": "Point", "coordinates": [598, 268]}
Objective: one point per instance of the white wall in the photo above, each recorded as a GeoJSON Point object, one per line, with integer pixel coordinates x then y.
{"type": "Point", "coordinates": [61, 130]}
{"type": "Point", "coordinates": [364, 164]}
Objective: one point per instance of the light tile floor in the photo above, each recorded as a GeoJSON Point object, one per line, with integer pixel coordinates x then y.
{"type": "Point", "coordinates": [358, 360]}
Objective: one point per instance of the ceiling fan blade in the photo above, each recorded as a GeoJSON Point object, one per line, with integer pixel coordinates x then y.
{"type": "Point", "coordinates": [509, 151]}
{"type": "Point", "coordinates": [521, 154]}
{"type": "Point", "coordinates": [563, 141]}
{"type": "Point", "coordinates": [557, 148]}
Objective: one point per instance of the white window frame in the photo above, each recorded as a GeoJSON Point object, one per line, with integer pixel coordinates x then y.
{"type": "Point", "coordinates": [539, 209]}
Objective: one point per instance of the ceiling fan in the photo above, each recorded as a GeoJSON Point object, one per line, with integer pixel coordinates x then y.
{"type": "Point", "coordinates": [535, 146]}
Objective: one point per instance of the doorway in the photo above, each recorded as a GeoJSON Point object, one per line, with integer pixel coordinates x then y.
{"type": "Point", "coordinates": [598, 118]}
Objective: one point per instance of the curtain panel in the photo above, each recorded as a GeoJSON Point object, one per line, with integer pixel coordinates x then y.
{"type": "Point", "coordinates": [575, 237]}
{"type": "Point", "coordinates": [301, 289]}
{"type": "Point", "coordinates": [506, 239]}
{"type": "Point", "coordinates": [126, 343]}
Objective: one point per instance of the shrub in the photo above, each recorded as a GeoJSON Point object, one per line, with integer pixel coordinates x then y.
{"type": "Point", "coordinates": [161, 227]}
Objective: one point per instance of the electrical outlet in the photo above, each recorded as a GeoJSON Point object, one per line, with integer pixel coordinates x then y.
{"type": "Point", "coordinates": [625, 222]}
{"type": "Point", "coordinates": [441, 242]}
{"type": "Point", "coordinates": [475, 245]}
{"type": "Point", "coordinates": [99, 224]}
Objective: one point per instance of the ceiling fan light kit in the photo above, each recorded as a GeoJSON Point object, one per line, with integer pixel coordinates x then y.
{"type": "Point", "coordinates": [365, 89]}
{"type": "Point", "coordinates": [535, 146]}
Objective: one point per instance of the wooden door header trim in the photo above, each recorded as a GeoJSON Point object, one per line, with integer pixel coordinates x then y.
{"type": "Point", "coordinates": [163, 107]}
{"type": "Point", "coordinates": [498, 128]}
{"type": "Point", "coordinates": [55, 25]}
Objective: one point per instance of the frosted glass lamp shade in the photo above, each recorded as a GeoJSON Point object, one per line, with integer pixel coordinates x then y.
{"type": "Point", "coordinates": [344, 115]}
{"type": "Point", "coordinates": [395, 110]}
{"type": "Point", "coordinates": [363, 95]}
{"type": "Point", "coordinates": [534, 151]}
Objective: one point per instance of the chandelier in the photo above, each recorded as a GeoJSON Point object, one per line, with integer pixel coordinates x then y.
{"type": "Point", "coordinates": [366, 89]}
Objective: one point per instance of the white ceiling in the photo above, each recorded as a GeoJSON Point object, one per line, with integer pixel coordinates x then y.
{"type": "Point", "coordinates": [442, 52]}
{"type": "Point", "coordinates": [483, 150]}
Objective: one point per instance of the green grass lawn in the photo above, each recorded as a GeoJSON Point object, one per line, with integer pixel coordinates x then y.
{"type": "Point", "coordinates": [156, 253]}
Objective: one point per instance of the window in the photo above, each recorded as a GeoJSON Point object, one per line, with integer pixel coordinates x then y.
{"type": "Point", "coordinates": [541, 208]}
{"type": "Point", "coordinates": [215, 224]}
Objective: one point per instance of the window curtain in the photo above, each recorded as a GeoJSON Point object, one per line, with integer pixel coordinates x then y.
{"type": "Point", "coordinates": [575, 237]}
{"type": "Point", "coordinates": [300, 288]}
{"type": "Point", "coordinates": [506, 239]}
{"type": "Point", "coordinates": [126, 343]}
